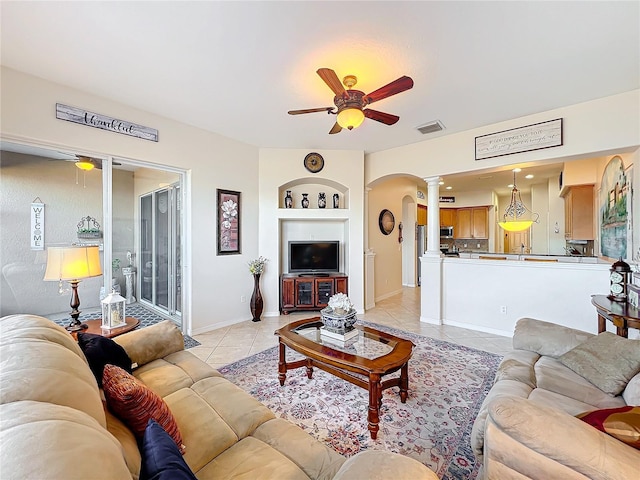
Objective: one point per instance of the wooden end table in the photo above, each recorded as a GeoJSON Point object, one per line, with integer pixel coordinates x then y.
{"type": "Point", "coordinates": [95, 326]}
{"type": "Point", "coordinates": [622, 314]}
{"type": "Point", "coordinates": [362, 361]}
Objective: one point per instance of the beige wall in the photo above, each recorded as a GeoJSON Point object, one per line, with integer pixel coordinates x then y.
{"type": "Point", "coordinates": [211, 161]}
{"type": "Point", "coordinates": [388, 260]}
{"type": "Point", "coordinates": [343, 172]}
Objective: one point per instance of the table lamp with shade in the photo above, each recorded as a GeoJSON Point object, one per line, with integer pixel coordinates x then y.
{"type": "Point", "coordinates": [72, 264]}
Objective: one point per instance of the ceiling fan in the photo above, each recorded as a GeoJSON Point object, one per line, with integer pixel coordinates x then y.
{"type": "Point", "coordinates": [85, 163]}
{"type": "Point", "coordinates": [350, 104]}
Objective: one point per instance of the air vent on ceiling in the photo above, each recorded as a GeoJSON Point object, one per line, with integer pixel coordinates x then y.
{"type": "Point", "coordinates": [431, 127]}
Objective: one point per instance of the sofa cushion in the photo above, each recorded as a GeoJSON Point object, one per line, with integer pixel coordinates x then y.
{"type": "Point", "coordinates": [134, 403]}
{"type": "Point", "coordinates": [130, 447]}
{"type": "Point", "coordinates": [518, 365]}
{"type": "Point", "coordinates": [169, 374]}
{"type": "Point", "coordinates": [569, 405]}
{"type": "Point", "coordinates": [553, 376]}
{"type": "Point", "coordinates": [606, 360]}
{"type": "Point", "coordinates": [45, 371]}
{"type": "Point", "coordinates": [46, 441]}
{"type": "Point", "coordinates": [622, 423]}
{"type": "Point", "coordinates": [251, 459]}
{"type": "Point", "coordinates": [151, 343]}
{"type": "Point", "coordinates": [161, 458]}
{"type": "Point", "coordinates": [546, 338]}
{"type": "Point", "coordinates": [100, 351]}
{"type": "Point", "coordinates": [22, 328]}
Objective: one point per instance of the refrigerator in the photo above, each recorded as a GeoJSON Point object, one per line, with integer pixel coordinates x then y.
{"type": "Point", "coordinates": [421, 247]}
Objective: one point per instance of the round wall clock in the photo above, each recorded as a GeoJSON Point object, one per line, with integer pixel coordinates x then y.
{"type": "Point", "coordinates": [314, 162]}
{"type": "Point", "coordinates": [386, 221]}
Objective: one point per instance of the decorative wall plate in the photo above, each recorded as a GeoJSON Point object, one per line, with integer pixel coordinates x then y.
{"type": "Point", "coordinates": [386, 221]}
{"type": "Point", "coordinates": [314, 162]}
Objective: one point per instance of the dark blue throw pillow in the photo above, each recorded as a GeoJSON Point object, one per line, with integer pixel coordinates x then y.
{"type": "Point", "coordinates": [100, 351]}
{"type": "Point", "coordinates": [161, 459]}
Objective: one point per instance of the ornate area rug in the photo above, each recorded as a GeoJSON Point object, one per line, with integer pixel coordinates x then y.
{"type": "Point", "coordinates": [447, 384]}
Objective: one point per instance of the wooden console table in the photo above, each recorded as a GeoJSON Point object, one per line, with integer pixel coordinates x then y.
{"type": "Point", "coordinates": [623, 315]}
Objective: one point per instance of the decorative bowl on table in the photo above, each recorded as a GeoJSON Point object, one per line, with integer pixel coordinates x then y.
{"type": "Point", "coordinates": [339, 322]}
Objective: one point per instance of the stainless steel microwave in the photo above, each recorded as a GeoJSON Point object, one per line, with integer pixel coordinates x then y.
{"type": "Point", "coordinates": [446, 232]}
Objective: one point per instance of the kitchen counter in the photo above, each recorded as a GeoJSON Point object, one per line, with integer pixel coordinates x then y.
{"type": "Point", "coordinates": [530, 257]}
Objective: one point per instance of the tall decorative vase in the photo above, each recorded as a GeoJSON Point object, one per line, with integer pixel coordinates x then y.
{"type": "Point", "coordinates": [256, 299]}
{"type": "Point", "coordinates": [322, 200]}
{"type": "Point", "coordinates": [305, 200]}
{"type": "Point", "coordinates": [288, 200]}
{"type": "Point", "coordinates": [336, 200]}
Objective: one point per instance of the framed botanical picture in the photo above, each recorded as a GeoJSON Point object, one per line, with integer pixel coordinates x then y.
{"type": "Point", "coordinates": [228, 222]}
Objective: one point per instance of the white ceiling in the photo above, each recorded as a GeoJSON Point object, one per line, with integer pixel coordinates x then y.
{"type": "Point", "coordinates": [236, 68]}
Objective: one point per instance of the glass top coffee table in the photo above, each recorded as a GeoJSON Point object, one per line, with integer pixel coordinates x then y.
{"type": "Point", "coordinates": [362, 360]}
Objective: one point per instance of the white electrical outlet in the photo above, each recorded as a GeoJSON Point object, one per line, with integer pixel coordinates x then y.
{"type": "Point", "coordinates": [503, 309]}
{"type": "Point", "coordinates": [243, 299]}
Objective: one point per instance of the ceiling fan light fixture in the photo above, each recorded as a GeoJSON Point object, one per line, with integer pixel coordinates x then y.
{"type": "Point", "coordinates": [85, 164]}
{"type": "Point", "coordinates": [350, 118]}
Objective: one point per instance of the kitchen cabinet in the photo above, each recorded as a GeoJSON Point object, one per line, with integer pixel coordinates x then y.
{"type": "Point", "coordinates": [472, 222]}
{"type": "Point", "coordinates": [309, 292]}
{"type": "Point", "coordinates": [579, 213]}
{"type": "Point", "coordinates": [447, 217]}
{"type": "Point", "coordinates": [422, 215]}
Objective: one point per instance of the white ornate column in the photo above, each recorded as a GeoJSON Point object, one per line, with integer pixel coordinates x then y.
{"type": "Point", "coordinates": [433, 214]}
{"type": "Point", "coordinates": [431, 261]}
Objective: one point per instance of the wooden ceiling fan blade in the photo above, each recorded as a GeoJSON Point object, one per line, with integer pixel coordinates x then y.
{"type": "Point", "coordinates": [335, 129]}
{"type": "Point", "coordinates": [386, 118]}
{"type": "Point", "coordinates": [397, 86]}
{"type": "Point", "coordinates": [310, 110]}
{"type": "Point", "coordinates": [332, 80]}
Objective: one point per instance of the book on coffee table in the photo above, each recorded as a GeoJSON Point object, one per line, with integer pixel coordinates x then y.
{"type": "Point", "coordinates": [338, 336]}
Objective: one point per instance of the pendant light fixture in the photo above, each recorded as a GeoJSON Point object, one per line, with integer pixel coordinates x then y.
{"type": "Point", "coordinates": [515, 218]}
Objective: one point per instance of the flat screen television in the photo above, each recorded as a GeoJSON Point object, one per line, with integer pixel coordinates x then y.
{"type": "Point", "coordinates": [312, 257]}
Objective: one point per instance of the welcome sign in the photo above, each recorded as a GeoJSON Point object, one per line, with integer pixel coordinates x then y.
{"type": "Point", "coordinates": [103, 122]}
{"type": "Point", "coordinates": [37, 226]}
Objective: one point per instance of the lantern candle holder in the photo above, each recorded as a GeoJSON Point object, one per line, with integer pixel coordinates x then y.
{"type": "Point", "coordinates": [113, 311]}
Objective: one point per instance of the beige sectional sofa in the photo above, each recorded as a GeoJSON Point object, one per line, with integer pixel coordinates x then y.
{"type": "Point", "coordinates": [54, 424]}
{"type": "Point", "coordinates": [527, 427]}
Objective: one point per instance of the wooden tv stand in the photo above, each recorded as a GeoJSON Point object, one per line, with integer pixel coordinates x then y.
{"type": "Point", "coordinates": [308, 291]}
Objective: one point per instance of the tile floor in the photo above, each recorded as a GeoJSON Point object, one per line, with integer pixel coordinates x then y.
{"type": "Point", "coordinates": [229, 344]}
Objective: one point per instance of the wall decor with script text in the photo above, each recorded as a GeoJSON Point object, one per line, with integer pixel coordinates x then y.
{"type": "Point", "coordinates": [37, 225]}
{"type": "Point", "coordinates": [447, 199]}
{"type": "Point", "coordinates": [84, 117]}
{"type": "Point", "coordinates": [522, 139]}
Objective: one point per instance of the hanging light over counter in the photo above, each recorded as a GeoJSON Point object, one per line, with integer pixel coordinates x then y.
{"type": "Point", "coordinates": [515, 215]}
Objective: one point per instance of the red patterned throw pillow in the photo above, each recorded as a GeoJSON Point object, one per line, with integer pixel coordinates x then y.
{"type": "Point", "coordinates": [622, 423]}
{"type": "Point", "coordinates": [135, 403]}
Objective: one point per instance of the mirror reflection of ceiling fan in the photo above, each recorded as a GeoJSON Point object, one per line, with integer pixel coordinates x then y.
{"type": "Point", "coordinates": [86, 163]}
{"type": "Point", "coordinates": [350, 104]}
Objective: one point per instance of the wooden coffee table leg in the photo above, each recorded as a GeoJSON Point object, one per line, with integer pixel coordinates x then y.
{"type": "Point", "coordinates": [282, 365]}
{"type": "Point", "coordinates": [404, 382]}
{"type": "Point", "coordinates": [374, 397]}
{"type": "Point", "coordinates": [309, 369]}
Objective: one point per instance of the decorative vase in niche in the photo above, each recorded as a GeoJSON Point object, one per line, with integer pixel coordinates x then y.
{"type": "Point", "coordinates": [288, 200]}
{"type": "Point", "coordinates": [256, 304]}
{"type": "Point", "coordinates": [322, 200]}
{"type": "Point", "coordinates": [305, 200]}
{"type": "Point", "coordinates": [336, 200]}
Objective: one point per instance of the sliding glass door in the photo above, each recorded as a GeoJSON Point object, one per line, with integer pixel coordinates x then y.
{"type": "Point", "coordinates": [160, 252]}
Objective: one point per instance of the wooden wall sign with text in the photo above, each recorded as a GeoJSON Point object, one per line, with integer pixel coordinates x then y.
{"type": "Point", "coordinates": [522, 139]}
{"type": "Point", "coordinates": [84, 117]}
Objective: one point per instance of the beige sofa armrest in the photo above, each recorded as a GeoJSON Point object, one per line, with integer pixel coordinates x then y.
{"type": "Point", "coordinates": [383, 465]}
{"type": "Point", "coordinates": [150, 343]}
{"type": "Point", "coordinates": [540, 442]}
{"type": "Point", "coordinates": [546, 338]}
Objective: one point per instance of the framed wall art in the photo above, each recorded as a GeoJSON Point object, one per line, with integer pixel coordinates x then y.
{"type": "Point", "coordinates": [228, 213]}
